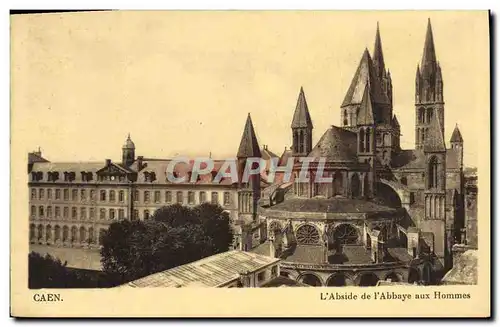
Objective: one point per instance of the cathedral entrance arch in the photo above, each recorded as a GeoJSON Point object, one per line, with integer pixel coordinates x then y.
{"type": "Point", "coordinates": [337, 279]}
{"type": "Point", "coordinates": [368, 279]}
{"type": "Point", "coordinates": [310, 279]}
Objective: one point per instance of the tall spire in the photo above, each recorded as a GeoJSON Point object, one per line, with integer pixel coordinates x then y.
{"type": "Point", "coordinates": [249, 147]}
{"type": "Point", "coordinates": [429, 61]}
{"type": "Point", "coordinates": [378, 55]}
{"type": "Point", "coordinates": [301, 116]}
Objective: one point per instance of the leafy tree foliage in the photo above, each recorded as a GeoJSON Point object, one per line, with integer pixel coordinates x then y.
{"type": "Point", "coordinates": [49, 272]}
{"type": "Point", "coordinates": [174, 235]}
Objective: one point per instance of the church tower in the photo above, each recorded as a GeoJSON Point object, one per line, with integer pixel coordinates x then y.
{"type": "Point", "coordinates": [302, 127]}
{"type": "Point", "coordinates": [366, 142]}
{"type": "Point", "coordinates": [248, 191]}
{"type": "Point", "coordinates": [435, 191]}
{"type": "Point", "coordinates": [128, 152]}
{"type": "Point", "coordinates": [429, 101]}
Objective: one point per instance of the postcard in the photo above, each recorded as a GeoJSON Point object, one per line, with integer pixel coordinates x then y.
{"type": "Point", "coordinates": [250, 164]}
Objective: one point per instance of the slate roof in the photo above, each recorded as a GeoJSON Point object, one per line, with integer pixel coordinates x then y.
{"type": "Point", "coordinates": [305, 254]}
{"type": "Point", "coordinates": [301, 116]}
{"type": "Point", "coordinates": [267, 154]}
{"type": "Point", "coordinates": [365, 114]}
{"type": "Point", "coordinates": [336, 145]}
{"type": "Point", "coordinates": [456, 136]}
{"type": "Point", "coordinates": [35, 157]}
{"type": "Point", "coordinates": [331, 205]}
{"type": "Point", "coordinates": [249, 147]}
{"type": "Point", "coordinates": [61, 167]}
{"type": "Point", "coordinates": [213, 271]}
{"type": "Point", "coordinates": [416, 159]}
{"type": "Point", "coordinates": [365, 75]}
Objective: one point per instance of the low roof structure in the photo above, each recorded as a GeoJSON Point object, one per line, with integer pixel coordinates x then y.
{"type": "Point", "coordinates": [214, 271]}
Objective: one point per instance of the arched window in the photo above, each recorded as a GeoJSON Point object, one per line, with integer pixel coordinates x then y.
{"type": "Point", "coordinates": [345, 234]}
{"type": "Point", "coordinates": [338, 184]}
{"type": "Point", "coordinates": [433, 173]}
{"type": "Point", "coordinates": [355, 186]}
{"type": "Point", "coordinates": [146, 214]}
{"type": "Point", "coordinates": [83, 236]}
{"type": "Point", "coordinates": [361, 140]}
{"type": "Point", "coordinates": [301, 141]}
{"type": "Point", "coordinates": [367, 140]}
{"type": "Point", "coordinates": [307, 234]}
{"type": "Point", "coordinates": [345, 117]}
{"type": "Point", "coordinates": [421, 115]}
{"type": "Point", "coordinates": [429, 115]}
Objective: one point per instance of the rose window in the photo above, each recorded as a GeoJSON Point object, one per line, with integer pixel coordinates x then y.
{"type": "Point", "coordinates": [307, 234]}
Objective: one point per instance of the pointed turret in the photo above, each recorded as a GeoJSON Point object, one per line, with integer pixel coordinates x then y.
{"type": "Point", "coordinates": [456, 136]}
{"type": "Point", "coordinates": [395, 122]}
{"type": "Point", "coordinates": [434, 141]}
{"type": "Point", "coordinates": [365, 115]}
{"type": "Point", "coordinates": [301, 116]}
{"type": "Point", "coordinates": [249, 147]}
{"type": "Point", "coordinates": [378, 55]}
{"type": "Point", "coordinates": [302, 127]}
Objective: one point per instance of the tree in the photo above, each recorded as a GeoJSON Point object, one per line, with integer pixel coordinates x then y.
{"type": "Point", "coordinates": [49, 272]}
{"type": "Point", "coordinates": [174, 236]}
{"type": "Point", "coordinates": [216, 224]}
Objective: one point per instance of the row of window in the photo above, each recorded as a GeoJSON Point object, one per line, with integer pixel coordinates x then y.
{"type": "Point", "coordinates": [64, 212]}
{"type": "Point", "coordinates": [179, 197]}
{"type": "Point", "coordinates": [113, 196]}
{"type": "Point", "coordinates": [85, 195]}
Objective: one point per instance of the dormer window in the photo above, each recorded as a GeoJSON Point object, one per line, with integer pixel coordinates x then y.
{"type": "Point", "coordinates": [149, 176]}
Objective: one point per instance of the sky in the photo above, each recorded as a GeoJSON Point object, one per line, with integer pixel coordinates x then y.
{"type": "Point", "coordinates": [183, 83]}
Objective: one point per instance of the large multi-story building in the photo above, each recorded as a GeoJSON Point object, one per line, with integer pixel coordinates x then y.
{"type": "Point", "coordinates": [71, 204]}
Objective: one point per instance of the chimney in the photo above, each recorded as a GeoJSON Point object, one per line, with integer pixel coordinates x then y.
{"type": "Point", "coordinates": [140, 163]}
{"type": "Point", "coordinates": [245, 279]}
{"type": "Point", "coordinates": [272, 248]}
{"type": "Point", "coordinates": [108, 162]}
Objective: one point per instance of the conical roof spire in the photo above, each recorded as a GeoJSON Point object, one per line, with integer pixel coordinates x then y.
{"type": "Point", "coordinates": [429, 61]}
{"type": "Point", "coordinates": [395, 122]}
{"type": "Point", "coordinates": [365, 75]}
{"type": "Point", "coordinates": [365, 115]}
{"type": "Point", "coordinates": [434, 141]}
{"type": "Point", "coordinates": [456, 136]}
{"type": "Point", "coordinates": [249, 147]}
{"type": "Point", "coordinates": [301, 116]}
{"type": "Point", "coordinates": [378, 55]}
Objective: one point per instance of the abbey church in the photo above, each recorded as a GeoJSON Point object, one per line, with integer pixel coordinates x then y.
{"type": "Point", "coordinates": [389, 212]}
